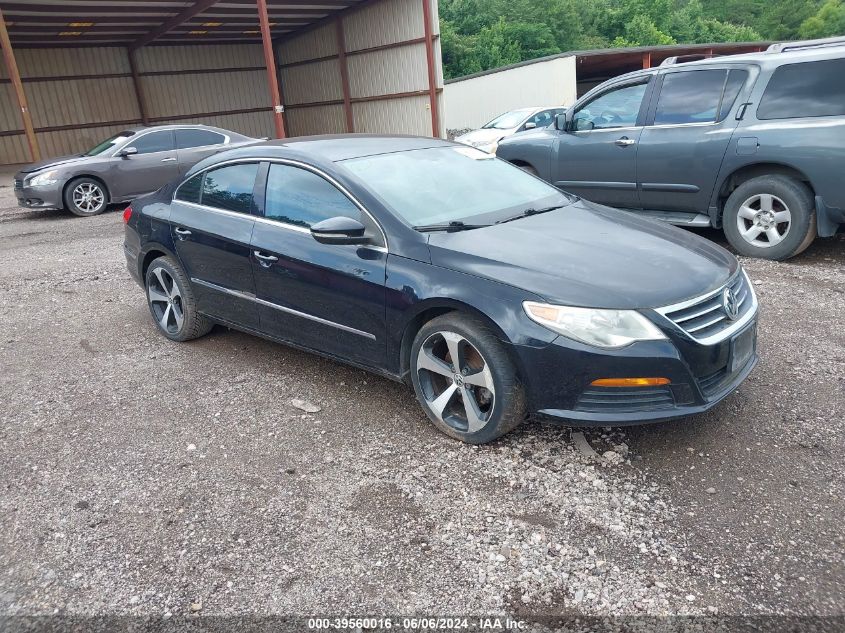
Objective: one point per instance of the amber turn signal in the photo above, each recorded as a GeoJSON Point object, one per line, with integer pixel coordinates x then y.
{"type": "Point", "coordinates": [630, 382]}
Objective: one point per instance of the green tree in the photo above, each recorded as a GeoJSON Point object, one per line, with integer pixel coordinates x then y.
{"type": "Point", "coordinates": [829, 21]}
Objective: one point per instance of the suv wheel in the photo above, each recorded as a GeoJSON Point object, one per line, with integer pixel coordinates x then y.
{"type": "Point", "coordinates": [771, 217]}
{"type": "Point", "coordinates": [465, 380]}
{"type": "Point", "coordinates": [86, 196]}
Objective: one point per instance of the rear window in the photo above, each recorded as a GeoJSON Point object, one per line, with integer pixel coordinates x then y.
{"type": "Point", "coordinates": [230, 187]}
{"type": "Point", "coordinates": [185, 139]}
{"type": "Point", "coordinates": [809, 89]}
{"type": "Point", "coordinates": [690, 97]}
{"type": "Point", "coordinates": [189, 191]}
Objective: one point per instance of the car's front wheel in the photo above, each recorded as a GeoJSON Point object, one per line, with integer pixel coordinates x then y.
{"type": "Point", "coordinates": [771, 217]}
{"type": "Point", "coordinates": [172, 303]}
{"type": "Point", "coordinates": [465, 380]}
{"type": "Point", "coordinates": [86, 196]}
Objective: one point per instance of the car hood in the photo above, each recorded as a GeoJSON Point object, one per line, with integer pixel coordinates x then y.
{"type": "Point", "coordinates": [483, 137]}
{"type": "Point", "coordinates": [591, 256]}
{"type": "Point", "coordinates": [52, 162]}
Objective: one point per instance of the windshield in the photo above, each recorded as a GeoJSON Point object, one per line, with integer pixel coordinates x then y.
{"type": "Point", "coordinates": [508, 120]}
{"type": "Point", "coordinates": [449, 184]}
{"type": "Point", "coordinates": [109, 144]}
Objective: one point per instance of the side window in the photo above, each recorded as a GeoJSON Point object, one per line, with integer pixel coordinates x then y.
{"type": "Point", "coordinates": [186, 139]}
{"type": "Point", "coordinates": [301, 197]}
{"type": "Point", "coordinates": [617, 108]}
{"type": "Point", "coordinates": [691, 96]}
{"type": "Point", "coordinates": [736, 80]}
{"type": "Point", "coordinates": [542, 119]}
{"type": "Point", "coordinates": [189, 191]}
{"type": "Point", "coordinates": [153, 142]}
{"type": "Point", "coordinates": [230, 188]}
{"type": "Point", "coordinates": [805, 90]}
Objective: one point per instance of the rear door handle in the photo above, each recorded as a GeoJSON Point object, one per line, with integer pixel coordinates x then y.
{"type": "Point", "coordinates": [264, 259]}
{"type": "Point", "coordinates": [181, 233]}
{"type": "Point", "coordinates": [168, 160]}
{"type": "Point", "coordinates": [624, 141]}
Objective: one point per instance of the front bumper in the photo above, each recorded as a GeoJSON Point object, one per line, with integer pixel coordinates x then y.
{"type": "Point", "coordinates": [47, 197]}
{"type": "Point", "coordinates": [559, 376]}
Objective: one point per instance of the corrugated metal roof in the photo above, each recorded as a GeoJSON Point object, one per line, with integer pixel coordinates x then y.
{"type": "Point", "coordinates": [40, 23]}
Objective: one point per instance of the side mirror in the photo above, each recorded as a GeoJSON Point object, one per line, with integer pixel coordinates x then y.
{"type": "Point", "coordinates": [562, 122]}
{"type": "Point", "coordinates": [529, 126]}
{"type": "Point", "coordinates": [583, 125]}
{"type": "Point", "coordinates": [339, 230]}
{"type": "Point", "coordinates": [127, 151]}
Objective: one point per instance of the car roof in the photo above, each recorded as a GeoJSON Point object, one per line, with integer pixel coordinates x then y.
{"type": "Point", "coordinates": [338, 147]}
{"type": "Point", "coordinates": [173, 126]}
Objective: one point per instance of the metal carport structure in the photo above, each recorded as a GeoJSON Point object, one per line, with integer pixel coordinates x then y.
{"type": "Point", "coordinates": [76, 71]}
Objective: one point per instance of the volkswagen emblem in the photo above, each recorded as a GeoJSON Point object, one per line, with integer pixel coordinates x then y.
{"type": "Point", "coordinates": [730, 304]}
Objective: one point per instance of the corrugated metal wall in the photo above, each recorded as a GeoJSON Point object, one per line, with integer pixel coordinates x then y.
{"type": "Point", "coordinates": [472, 102]}
{"type": "Point", "coordinates": [99, 89]}
{"type": "Point", "coordinates": [387, 68]}
{"type": "Point", "coordinates": [79, 103]}
{"type": "Point", "coordinates": [79, 96]}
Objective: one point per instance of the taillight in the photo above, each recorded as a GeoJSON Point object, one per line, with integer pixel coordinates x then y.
{"type": "Point", "coordinates": [127, 213]}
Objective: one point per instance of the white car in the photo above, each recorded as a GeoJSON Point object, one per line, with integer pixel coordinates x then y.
{"type": "Point", "coordinates": [487, 138]}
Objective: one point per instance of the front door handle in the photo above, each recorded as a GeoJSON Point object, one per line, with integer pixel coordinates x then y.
{"type": "Point", "coordinates": [181, 233]}
{"type": "Point", "coordinates": [624, 141]}
{"type": "Point", "coordinates": [264, 259]}
{"type": "Point", "coordinates": [168, 160]}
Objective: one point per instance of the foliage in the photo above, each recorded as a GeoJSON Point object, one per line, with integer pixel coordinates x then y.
{"type": "Point", "coordinates": [478, 35]}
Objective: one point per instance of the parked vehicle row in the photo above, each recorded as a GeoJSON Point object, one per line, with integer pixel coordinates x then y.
{"type": "Point", "coordinates": [132, 163]}
{"type": "Point", "coordinates": [492, 293]}
{"type": "Point", "coordinates": [752, 144]}
{"type": "Point", "coordinates": [488, 137]}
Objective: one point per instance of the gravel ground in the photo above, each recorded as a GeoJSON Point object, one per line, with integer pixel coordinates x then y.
{"type": "Point", "coordinates": [144, 477]}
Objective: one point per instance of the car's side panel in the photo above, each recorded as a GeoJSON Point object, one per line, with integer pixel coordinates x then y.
{"type": "Point", "coordinates": [214, 249]}
{"type": "Point", "coordinates": [322, 296]}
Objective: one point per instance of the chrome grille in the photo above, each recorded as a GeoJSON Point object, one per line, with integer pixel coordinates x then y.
{"type": "Point", "coordinates": [704, 318]}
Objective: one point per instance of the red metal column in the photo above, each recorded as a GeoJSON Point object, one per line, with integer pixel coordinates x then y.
{"type": "Point", "coordinates": [139, 91]}
{"type": "Point", "coordinates": [270, 62]}
{"type": "Point", "coordinates": [432, 77]}
{"type": "Point", "coordinates": [646, 60]}
{"type": "Point", "coordinates": [344, 75]}
{"type": "Point", "coordinates": [14, 75]}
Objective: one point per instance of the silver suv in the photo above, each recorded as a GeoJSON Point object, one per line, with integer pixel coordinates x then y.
{"type": "Point", "coordinates": [753, 144]}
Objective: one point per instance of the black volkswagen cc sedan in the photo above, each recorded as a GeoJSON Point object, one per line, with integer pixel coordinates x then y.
{"type": "Point", "coordinates": [494, 294]}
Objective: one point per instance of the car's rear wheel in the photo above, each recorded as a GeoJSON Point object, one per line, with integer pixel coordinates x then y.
{"type": "Point", "coordinates": [771, 217]}
{"type": "Point", "coordinates": [172, 303]}
{"type": "Point", "coordinates": [465, 380]}
{"type": "Point", "coordinates": [86, 196]}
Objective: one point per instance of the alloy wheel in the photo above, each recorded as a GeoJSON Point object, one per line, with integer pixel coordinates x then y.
{"type": "Point", "coordinates": [165, 299]}
{"type": "Point", "coordinates": [456, 381]}
{"type": "Point", "coordinates": [88, 197]}
{"type": "Point", "coordinates": [763, 220]}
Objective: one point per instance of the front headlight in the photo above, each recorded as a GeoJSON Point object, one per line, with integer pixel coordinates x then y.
{"type": "Point", "coordinates": [602, 328]}
{"type": "Point", "coordinates": [41, 180]}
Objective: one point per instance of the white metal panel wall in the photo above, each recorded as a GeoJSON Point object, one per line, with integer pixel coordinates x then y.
{"type": "Point", "coordinates": [470, 103]}
{"type": "Point", "coordinates": [309, 83]}
{"type": "Point", "coordinates": [326, 119]}
{"type": "Point", "coordinates": [59, 62]}
{"type": "Point", "coordinates": [409, 115]}
{"type": "Point", "coordinates": [198, 57]}
{"type": "Point", "coordinates": [177, 95]}
{"type": "Point", "coordinates": [388, 71]}
{"type": "Point", "coordinates": [383, 23]}
{"type": "Point", "coordinates": [319, 42]}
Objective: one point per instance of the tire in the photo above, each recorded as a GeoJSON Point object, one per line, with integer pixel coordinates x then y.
{"type": "Point", "coordinates": [491, 412]}
{"type": "Point", "coordinates": [169, 294]}
{"type": "Point", "coordinates": [86, 197]}
{"type": "Point", "coordinates": [755, 208]}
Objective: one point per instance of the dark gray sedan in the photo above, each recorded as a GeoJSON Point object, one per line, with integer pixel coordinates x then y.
{"type": "Point", "coordinates": [130, 164]}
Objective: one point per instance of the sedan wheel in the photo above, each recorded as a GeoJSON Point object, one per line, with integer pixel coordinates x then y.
{"type": "Point", "coordinates": [763, 220]}
{"type": "Point", "coordinates": [171, 302]}
{"type": "Point", "coordinates": [456, 382]}
{"type": "Point", "coordinates": [165, 299]}
{"type": "Point", "coordinates": [465, 380]}
{"type": "Point", "coordinates": [85, 196]}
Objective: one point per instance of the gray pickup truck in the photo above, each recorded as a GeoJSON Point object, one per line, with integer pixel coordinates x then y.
{"type": "Point", "coordinates": [753, 144]}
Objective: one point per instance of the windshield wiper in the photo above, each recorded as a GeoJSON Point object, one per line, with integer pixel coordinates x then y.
{"type": "Point", "coordinates": [454, 225]}
{"type": "Point", "coordinates": [531, 211]}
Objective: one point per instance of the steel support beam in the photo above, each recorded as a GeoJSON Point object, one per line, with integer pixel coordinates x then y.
{"type": "Point", "coordinates": [344, 75]}
{"type": "Point", "coordinates": [14, 75]}
{"type": "Point", "coordinates": [139, 89]}
{"type": "Point", "coordinates": [432, 75]}
{"type": "Point", "coordinates": [270, 62]}
{"type": "Point", "coordinates": [197, 8]}
{"type": "Point", "coordinates": [646, 60]}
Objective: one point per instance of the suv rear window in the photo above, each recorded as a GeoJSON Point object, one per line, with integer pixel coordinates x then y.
{"type": "Point", "coordinates": [808, 89]}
